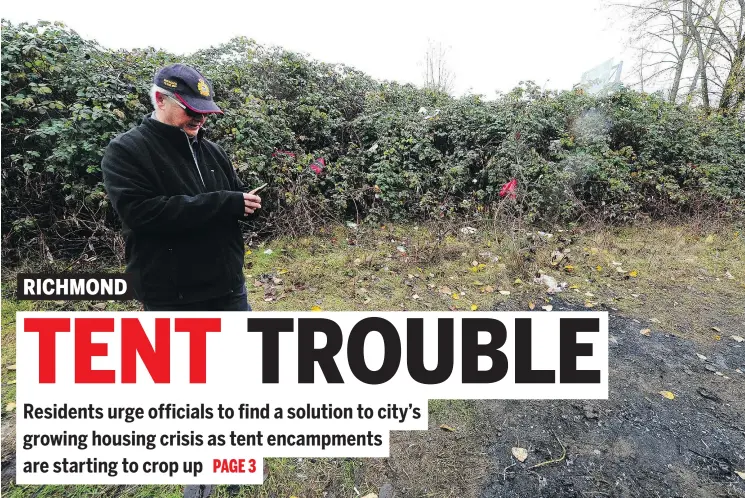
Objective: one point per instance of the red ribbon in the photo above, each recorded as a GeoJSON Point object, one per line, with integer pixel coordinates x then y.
{"type": "Point", "coordinates": [509, 188]}
{"type": "Point", "coordinates": [318, 165]}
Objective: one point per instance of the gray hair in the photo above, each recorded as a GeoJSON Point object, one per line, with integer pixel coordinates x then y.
{"type": "Point", "coordinates": [156, 89]}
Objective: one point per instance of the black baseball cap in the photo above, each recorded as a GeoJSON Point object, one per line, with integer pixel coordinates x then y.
{"type": "Point", "coordinates": [189, 86]}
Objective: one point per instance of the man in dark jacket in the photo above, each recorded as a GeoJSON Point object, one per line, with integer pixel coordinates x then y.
{"type": "Point", "coordinates": [179, 200]}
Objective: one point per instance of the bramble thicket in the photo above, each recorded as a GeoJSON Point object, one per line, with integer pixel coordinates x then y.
{"type": "Point", "coordinates": [390, 151]}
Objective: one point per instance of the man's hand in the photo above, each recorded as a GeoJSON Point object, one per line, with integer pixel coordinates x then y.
{"type": "Point", "coordinates": [251, 203]}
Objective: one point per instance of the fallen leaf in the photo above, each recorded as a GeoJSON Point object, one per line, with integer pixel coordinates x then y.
{"type": "Point", "coordinates": [589, 294]}
{"type": "Point", "coordinates": [446, 427]}
{"type": "Point", "coordinates": [370, 495]}
{"type": "Point", "coordinates": [548, 307]}
{"type": "Point", "coordinates": [569, 268]}
{"type": "Point", "coordinates": [478, 283]}
{"type": "Point", "coordinates": [531, 305]}
{"type": "Point", "coordinates": [519, 453]}
{"type": "Point", "coordinates": [518, 281]}
{"type": "Point", "coordinates": [737, 338]}
{"type": "Point", "coordinates": [717, 337]}
{"type": "Point", "coordinates": [10, 407]}
{"type": "Point", "coordinates": [633, 273]}
{"type": "Point", "coordinates": [599, 268]}
{"type": "Point", "coordinates": [277, 281]}
{"type": "Point", "coordinates": [249, 252]}
{"type": "Point", "coordinates": [616, 263]}
{"type": "Point", "coordinates": [574, 286]}
{"type": "Point", "coordinates": [444, 290]}
{"type": "Point", "coordinates": [268, 251]}
{"type": "Point", "coordinates": [11, 382]}
{"type": "Point", "coordinates": [709, 239]}
{"type": "Point", "coordinates": [701, 357]}
{"type": "Point", "coordinates": [729, 276]}
{"type": "Point", "coordinates": [487, 289]}
{"type": "Point", "coordinates": [474, 263]}
{"type": "Point", "coordinates": [283, 271]}
{"type": "Point", "coordinates": [741, 474]}
{"type": "Point", "coordinates": [504, 292]}
{"type": "Point", "coordinates": [620, 270]}
{"type": "Point", "coordinates": [455, 296]}
{"type": "Point", "coordinates": [99, 306]}
{"type": "Point", "coordinates": [11, 367]}
{"type": "Point", "coordinates": [667, 394]}
{"type": "Point", "coordinates": [645, 332]}
{"type": "Point", "coordinates": [474, 307]}
{"type": "Point", "coordinates": [654, 320]}
{"type": "Point", "coordinates": [716, 329]}
{"type": "Point", "coordinates": [415, 297]}
{"type": "Point", "coordinates": [315, 308]}
{"type": "Point", "coordinates": [590, 304]}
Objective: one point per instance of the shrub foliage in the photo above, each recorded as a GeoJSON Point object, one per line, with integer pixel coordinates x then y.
{"type": "Point", "coordinates": [392, 151]}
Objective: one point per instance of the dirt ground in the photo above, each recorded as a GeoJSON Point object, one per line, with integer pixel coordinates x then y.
{"type": "Point", "coordinates": [637, 443]}
{"type": "Point", "coordinates": [689, 291]}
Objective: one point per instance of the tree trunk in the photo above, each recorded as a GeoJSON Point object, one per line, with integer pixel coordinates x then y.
{"type": "Point", "coordinates": [701, 59]}
{"type": "Point", "coordinates": [679, 67]}
{"type": "Point", "coordinates": [707, 52]}
{"type": "Point", "coordinates": [733, 94]}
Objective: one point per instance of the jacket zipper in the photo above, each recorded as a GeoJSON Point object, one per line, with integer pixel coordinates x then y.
{"type": "Point", "coordinates": [195, 160]}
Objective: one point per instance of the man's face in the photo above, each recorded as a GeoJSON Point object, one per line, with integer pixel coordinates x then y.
{"type": "Point", "coordinates": [175, 115]}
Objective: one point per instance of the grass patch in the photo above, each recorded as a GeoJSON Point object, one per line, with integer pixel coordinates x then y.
{"type": "Point", "coordinates": [460, 414]}
{"type": "Point", "coordinates": [679, 278]}
{"type": "Point", "coordinates": [673, 278]}
{"type": "Point", "coordinates": [13, 491]}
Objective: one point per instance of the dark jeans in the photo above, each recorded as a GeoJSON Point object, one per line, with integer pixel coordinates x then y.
{"type": "Point", "coordinates": [237, 301]}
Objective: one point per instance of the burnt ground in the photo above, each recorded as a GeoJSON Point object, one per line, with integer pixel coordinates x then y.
{"type": "Point", "coordinates": [637, 443]}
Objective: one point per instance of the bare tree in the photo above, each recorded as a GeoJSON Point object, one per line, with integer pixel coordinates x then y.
{"type": "Point", "coordinates": [698, 44]}
{"type": "Point", "coordinates": [662, 32]}
{"type": "Point", "coordinates": [437, 74]}
{"type": "Point", "coordinates": [708, 49]}
{"type": "Point", "coordinates": [701, 42]}
{"type": "Point", "coordinates": [731, 29]}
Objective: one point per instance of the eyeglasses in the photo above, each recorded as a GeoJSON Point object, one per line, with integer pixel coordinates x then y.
{"type": "Point", "coordinates": [189, 112]}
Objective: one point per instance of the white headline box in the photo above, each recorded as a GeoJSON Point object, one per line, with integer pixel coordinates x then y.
{"type": "Point", "coordinates": [196, 397]}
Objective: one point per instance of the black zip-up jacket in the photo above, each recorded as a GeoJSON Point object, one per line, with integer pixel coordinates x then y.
{"type": "Point", "coordinates": [179, 202]}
